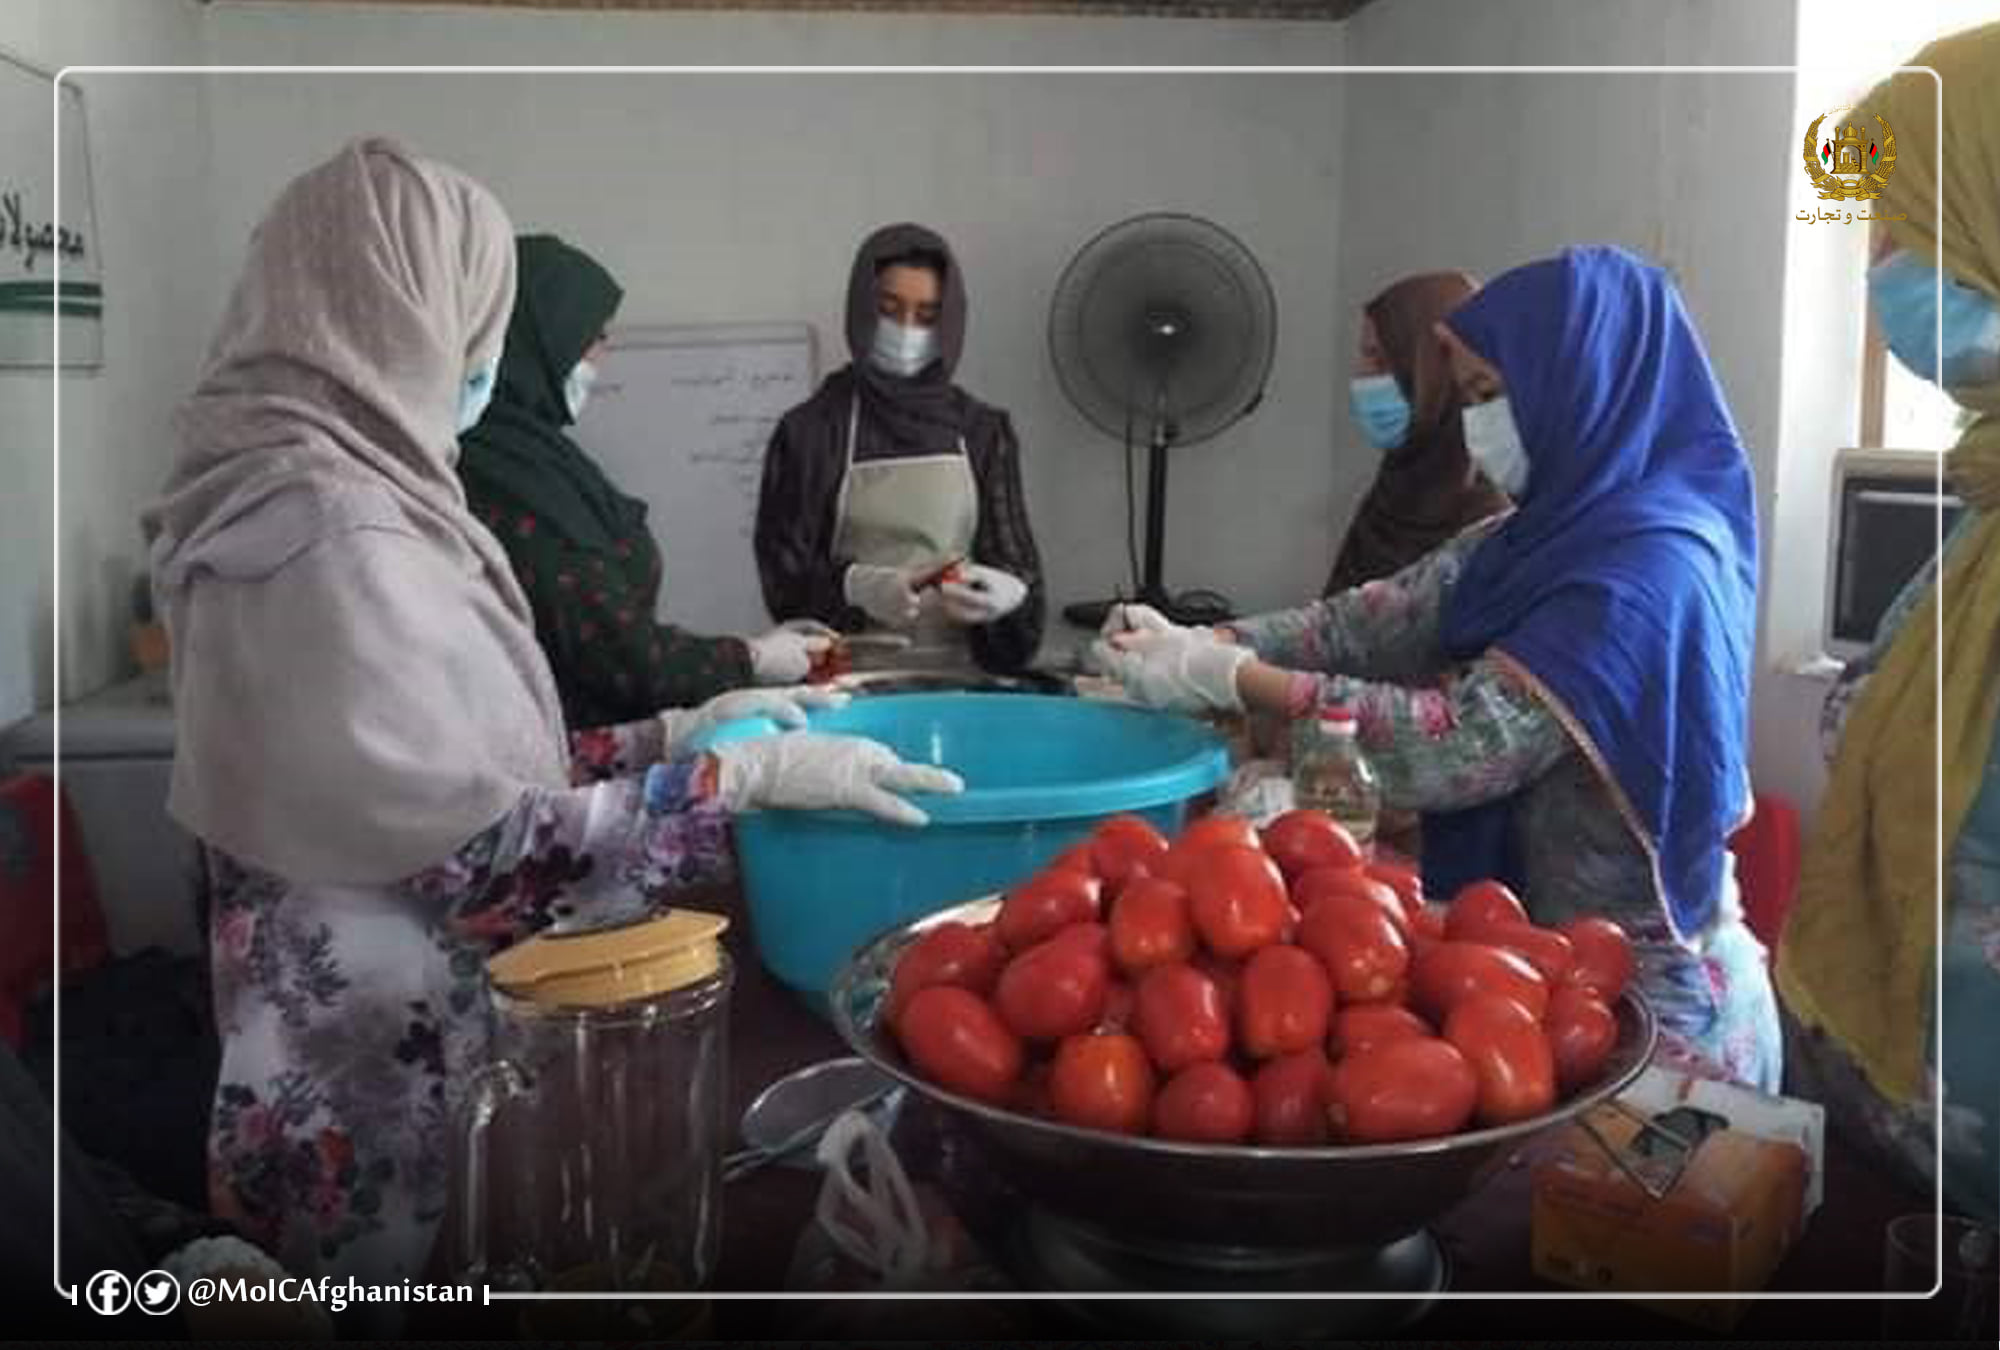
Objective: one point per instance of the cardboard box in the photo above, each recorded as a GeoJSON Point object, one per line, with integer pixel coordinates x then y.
{"type": "Point", "coordinates": [1739, 1201]}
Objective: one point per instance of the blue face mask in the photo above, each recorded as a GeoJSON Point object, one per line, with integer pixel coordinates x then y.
{"type": "Point", "coordinates": [476, 393]}
{"type": "Point", "coordinates": [1380, 410]}
{"type": "Point", "coordinates": [1905, 291]}
{"type": "Point", "coordinates": [1493, 440]}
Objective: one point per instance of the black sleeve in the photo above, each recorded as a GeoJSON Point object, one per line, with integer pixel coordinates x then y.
{"type": "Point", "coordinates": [1005, 541]}
{"type": "Point", "coordinates": [794, 535]}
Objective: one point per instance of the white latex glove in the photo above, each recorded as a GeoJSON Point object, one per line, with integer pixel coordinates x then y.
{"type": "Point", "coordinates": [1134, 618]}
{"type": "Point", "coordinates": [806, 771]}
{"type": "Point", "coordinates": [884, 594]}
{"type": "Point", "coordinates": [786, 707]}
{"type": "Point", "coordinates": [785, 655]}
{"type": "Point", "coordinates": [1180, 670]}
{"type": "Point", "coordinates": [983, 595]}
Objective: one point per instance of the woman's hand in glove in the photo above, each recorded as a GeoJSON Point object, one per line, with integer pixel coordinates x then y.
{"type": "Point", "coordinates": [806, 771]}
{"type": "Point", "coordinates": [1178, 669]}
{"type": "Point", "coordinates": [785, 655]}
{"type": "Point", "coordinates": [981, 595]}
{"type": "Point", "coordinates": [885, 594]}
{"type": "Point", "coordinates": [786, 707]}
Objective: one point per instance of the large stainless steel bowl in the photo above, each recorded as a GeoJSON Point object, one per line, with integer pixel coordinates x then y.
{"type": "Point", "coordinates": [1210, 1197]}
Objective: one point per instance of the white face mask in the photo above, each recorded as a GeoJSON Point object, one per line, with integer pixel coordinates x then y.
{"type": "Point", "coordinates": [1494, 443]}
{"type": "Point", "coordinates": [475, 394]}
{"type": "Point", "coordinates": [900, 350]}
{"type": "Point", "coordinates": [576, 389]}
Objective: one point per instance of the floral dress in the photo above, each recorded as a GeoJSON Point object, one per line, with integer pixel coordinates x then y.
{"type": "Point", "coordinates": [593, 609]}
{"type": "Point", "coordinates": [1964, 1068]}
{"type": "Point", "coordinates": [1443, 737]}
{"type": "Point", "coordinates": [351, 1016]}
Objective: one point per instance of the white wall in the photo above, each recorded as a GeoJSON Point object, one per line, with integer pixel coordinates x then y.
{"type": "Point", "coordinates": [724, 197]}
{"type": "Point", "coordinates": [1694, 170]}
{"type": "Point", "coordinates": [149, 144]}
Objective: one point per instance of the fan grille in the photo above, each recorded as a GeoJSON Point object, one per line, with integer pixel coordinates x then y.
{"type": "Point", "coordinates": [1163, 315]}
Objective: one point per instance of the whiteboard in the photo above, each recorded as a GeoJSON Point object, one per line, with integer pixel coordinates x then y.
{"type": "Point", "coordinates": [679, 418]}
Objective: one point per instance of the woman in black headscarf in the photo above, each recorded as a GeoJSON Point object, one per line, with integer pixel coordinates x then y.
{"type": "Point", "coordinates": [889, 472]}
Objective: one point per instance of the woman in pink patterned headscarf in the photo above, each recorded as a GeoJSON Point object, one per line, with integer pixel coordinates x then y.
{"type": "Point", "coordinates": [370, 744]}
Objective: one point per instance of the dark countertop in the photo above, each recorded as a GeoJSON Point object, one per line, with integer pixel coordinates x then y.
{"type": "Point", "coordinates": [1485, 1240]}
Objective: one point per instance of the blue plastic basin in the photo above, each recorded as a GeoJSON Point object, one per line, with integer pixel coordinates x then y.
{"type": "Point", "coordinates": [1040, 773]}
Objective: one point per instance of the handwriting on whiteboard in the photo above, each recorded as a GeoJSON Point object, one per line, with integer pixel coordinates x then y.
{"type": "Point", "coordinates": [680, 418]}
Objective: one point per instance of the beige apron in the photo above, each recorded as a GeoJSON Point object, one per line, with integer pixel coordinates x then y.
{"type": "Point", "coordinates": [916, 512]}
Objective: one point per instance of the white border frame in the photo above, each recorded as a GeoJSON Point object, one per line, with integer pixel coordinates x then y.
{"type": "Point", "coordinates": [72, 1292]}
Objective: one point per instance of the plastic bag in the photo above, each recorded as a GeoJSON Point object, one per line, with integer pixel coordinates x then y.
{"type": "Point", "coordinates": [874, 1229]}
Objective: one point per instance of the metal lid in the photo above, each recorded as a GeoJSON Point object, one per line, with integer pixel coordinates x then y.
{"type": "Point", "coordinates": [613, 965]}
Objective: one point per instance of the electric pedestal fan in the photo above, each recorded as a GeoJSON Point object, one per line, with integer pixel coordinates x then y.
{"type": "Point", "coordinates": [1163, 324]}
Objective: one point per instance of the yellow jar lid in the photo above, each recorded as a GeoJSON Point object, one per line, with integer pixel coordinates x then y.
{"type": "Point", "coordinates": [614, 965]}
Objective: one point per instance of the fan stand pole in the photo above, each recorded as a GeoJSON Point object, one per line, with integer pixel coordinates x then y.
{"type": "Point", "coordinates": [1152, 583]}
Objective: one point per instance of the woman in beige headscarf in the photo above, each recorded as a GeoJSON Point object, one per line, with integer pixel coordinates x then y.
{"type": "Point", "coordinates": [371, 747]}
{"type": "Point", "coordinates": [1860, 960]}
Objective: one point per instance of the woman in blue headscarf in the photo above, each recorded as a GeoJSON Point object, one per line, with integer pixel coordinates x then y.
{"type": "Point", "coordinates": [1563, 692]}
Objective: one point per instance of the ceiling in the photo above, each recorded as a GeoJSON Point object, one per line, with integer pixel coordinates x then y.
{"type": "Point", "coordinates": [1185, 9]}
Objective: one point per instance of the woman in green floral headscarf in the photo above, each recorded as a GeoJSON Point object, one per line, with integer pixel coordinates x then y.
{"type": "Point", "coordinates": [580, 547]}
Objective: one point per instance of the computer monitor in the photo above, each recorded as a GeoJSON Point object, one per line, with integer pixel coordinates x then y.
{"type": "Point", "coordinates": [1883, 527]}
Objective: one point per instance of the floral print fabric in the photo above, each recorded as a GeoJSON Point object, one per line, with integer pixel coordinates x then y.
{"type": "Point", "coordinates": [351, 1015]}
{"type": "Point", "coordinates": [1443, 736]}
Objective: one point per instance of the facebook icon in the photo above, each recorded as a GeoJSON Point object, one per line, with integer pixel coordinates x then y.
{"type": "Point", "coordinates": [108, 1293]}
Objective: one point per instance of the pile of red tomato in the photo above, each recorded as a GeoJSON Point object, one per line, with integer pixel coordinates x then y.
{"type": "Point", "coordinates": [1277, 989]}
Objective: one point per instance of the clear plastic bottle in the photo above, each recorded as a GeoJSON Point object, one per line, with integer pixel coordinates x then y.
{"type": "Point", "coordinates": [1330, 774]}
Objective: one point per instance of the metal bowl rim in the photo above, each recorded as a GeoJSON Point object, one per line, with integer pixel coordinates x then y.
{"type": "Point", "coordinates": [841, 991]}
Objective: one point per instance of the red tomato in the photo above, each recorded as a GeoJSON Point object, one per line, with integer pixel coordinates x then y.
{"type": "Point", "coordinates": [1367, 1025]}
{"type": "Point", "coordinates": [1228, 975]}
{"type": "Point", "coordinates": [1413, 1089]}
{"type": "Point", "coordinates": [954, 1038]}
{"type": "Point", "coordinates": [1206, 1103]}
{"type": "Point", "coordinates": [1207, 833]}
{"type": "Point", "coordinates": [1125, 847]}
{"type": "Point", "coordinates": [950, 953]}
{"type": "Point", "coordinates": [1150, 925]}
{"type": "Point", "coordinates": [1103, 1083]}
{"type": "Point", "coordinates": [1289, 1097]}
{"type": "Point", "coordinates": [1094, 938]}
{"type": "Point", "coordinates": [1119, 1004]}
{"type": "Point", "coordinates": [1604, 959]}
{"type": "Point", "coordinates": [1181, 1017]}
{"type": "Point", "coordinates": [1357, 943]}
{"type": "Point", "coordinates": [1452, 972]}
{"type": "Point", "coordinates": [1051, 991]}
{"type": "Point", "coordinates": [1582, 1032]}
{"type": "Point", "coordinates": [1299, 841]}
{"type": "Point", "coordinates": [1543, 948]}
{"type": "Point", "coordinates": [1504, 1043]}
{"type": "Point", "coordinates": [1285, 1003]}
{"type": "Point", "coordinates": [1406, 882]}
{"type": "Point", "coordinates": [1236, 897]}
{"type": "Point", "coordinates": [1218, 829]}
{"type": "Point", "coordinates": [1428, 922]}
{"type": "Point", "coordinates": [1479, 907]}
{"type": "Point", "coordinates": [1075, 859]}
{"type": "Point", "coordinates": [1322, 882]}
{"type": "Point", "coordinates": [1043, 905]}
